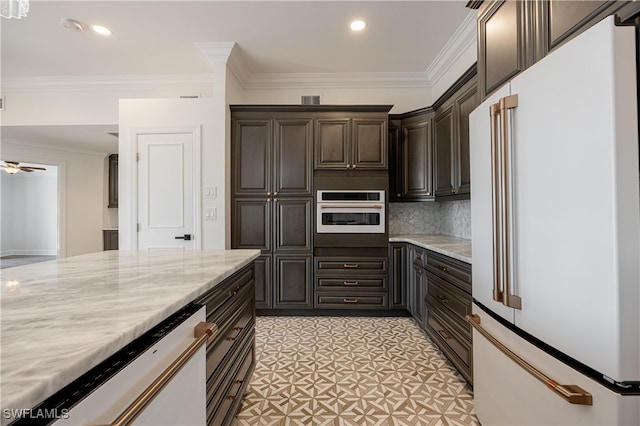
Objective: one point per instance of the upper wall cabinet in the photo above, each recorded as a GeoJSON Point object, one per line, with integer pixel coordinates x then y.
{"type": "Point", "coordinates": [417, 157]}
{"type": "Point", "coordinates": [350, 143]}
{"type": "Point", "coordinates": [113, 181]}
{"type": "Point", "coordinates": [451, 138]}
{"type": "Point", "coordinates": [515, 34]}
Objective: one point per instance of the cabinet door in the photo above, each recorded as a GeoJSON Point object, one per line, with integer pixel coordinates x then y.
{"type": "Point", "coordinates": [113, 181]}
{"type": "Point", "coordinates": [395, 162]}
{"type": "Point", "coordinates": [332, 143]}
{"type": "Point", "coordinates": [293, 156]}
{"type": "Point", "coordinates": [369, 144]}
{"type": "Point", "coordinates": [251, 157]}
{"type": "Point", "coordinates": [464, 104]}
{"type": "Point", "coordinates": [251, 227]}
{"type": "Point", "coordinates": [444, 141]}
{"type": "Point", "coordinates": [398, 276]}
{"type": "Point", "coordinates": [566, 19]}
{"type": "Point", "coordinates": [263, 282]}
{"type": "Point", "coordinates": [501, 43]}
{"type": "Point", "coordinates": [294, 225]}
{"type": "Point", "coordinates": [418, 160]}
{"type": "Point", "coordinates": [293, 282]}
{"type": "Point", "coordinates": [419, 285]}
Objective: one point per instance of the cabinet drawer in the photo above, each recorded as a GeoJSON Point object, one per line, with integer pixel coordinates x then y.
{"type": "Point", "coordinates": [456, 348]}
{"type": "Point", "coordinates": [351, 265]}
{"type": "Point", "coordinates": [216, 297]}
{"type": "Point", "coordinates": [345, 301]}
{"type": "Point", "coordinates": [351, 283]}
{"type": "Point", "coordinates": [453, 302]}
{"type": "Point", "coordinates": [229, 338]}
{"type": "Point", "coordinates": [452, 270]}
{"type": "Point", "coordinates": [222, 409]}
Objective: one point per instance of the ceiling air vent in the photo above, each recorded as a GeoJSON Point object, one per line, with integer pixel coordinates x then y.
{"type": "Point", "coordinates": [311, 100]}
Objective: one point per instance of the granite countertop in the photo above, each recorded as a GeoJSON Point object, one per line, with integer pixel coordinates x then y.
{"type": "Point", "coordinates": [61, 318]}
{"type": "Point", "coordinates": [457, 248]}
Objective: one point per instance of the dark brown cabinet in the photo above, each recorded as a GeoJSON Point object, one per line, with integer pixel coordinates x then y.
{"type": "Point", "coordinates": [417, 285]}
{"type": "Point", "coordinates": [394, 141]}
{"type": "Point", "coordinates": [514, 34]}
{"type": "Point", "coordinates": [272, 203]}
{"type": "Point", "coordinates": [397, 276]}
{"type": "Point", "coordinates": [451, 138]}
{"type": "Point", "coordinates": [417, 154]}
{"type": "Point", "coordinates": [110, 239]}
{"type": "Point", "coordinates": [113, 181]}
{"type": "Point", "coordinates": [351, 143]}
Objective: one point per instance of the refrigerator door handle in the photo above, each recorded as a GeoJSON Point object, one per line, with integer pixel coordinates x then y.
{"type": "Point", "coordinates": [507, 104]}
{"type": "Point", "coordinates": [573, 394]}
{"type": "Point", "coordinates": [498, 294]}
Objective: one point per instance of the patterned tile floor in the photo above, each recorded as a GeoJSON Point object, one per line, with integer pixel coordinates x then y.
{"type": "Point", "coordinates": [351, 371]}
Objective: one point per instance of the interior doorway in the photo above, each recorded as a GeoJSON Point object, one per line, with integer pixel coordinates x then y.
{"type": "Point", "coordinates": [29, 216]}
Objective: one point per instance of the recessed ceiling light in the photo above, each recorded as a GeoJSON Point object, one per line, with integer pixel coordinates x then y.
{"type": "Point", "coordinates": [101, 30]}
{"type": "Point", "coordinates": [358, 25]}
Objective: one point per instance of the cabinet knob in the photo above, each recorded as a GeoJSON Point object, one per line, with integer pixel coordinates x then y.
{"type": "Point", "coordinates": [353, 166]}
{"type": "Point", "coordinates": [443, 300]}
{"type": "Point", "coordinates": [453, 190]}
{"type": "Point", "coordinates": [268, 200]}
{"type": "Point", "coordinates": [269, 194]}
{"type": "Point", "coordinates": [275, 194]}
{"type": "Point", "coordinates": [443, 268]}
{"type": "Point", "coordinates": [429, 193]}
{"type": "Point", "coordinates": [275, 199]}
{"type": "Point", "coordinates": [398, 195]}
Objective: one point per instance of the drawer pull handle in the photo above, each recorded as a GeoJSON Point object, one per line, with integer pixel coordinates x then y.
{"type": "Point", "coordinates": [350, 265]}
{"type": "Point", "coordinates": [351, 282]}
{"type": "Point", "coordinates": [444, 335]}
{"type": "Point", "coordinates": [231, 339]}
{"type": "Point", "coordinates": [443, 268]}
{"type": "Point", "coordinates": [233, 293]}
{"type": "Point", "coordinates": [443, 300]}
{"type": "Point", "coordinates": [350, 300]}
{"type": "Point", "coordinates": [203, 332]}
{"type": "Point", "coordinates": [573, 394]}
{"type": "Point", "coordinates": [231, 397]}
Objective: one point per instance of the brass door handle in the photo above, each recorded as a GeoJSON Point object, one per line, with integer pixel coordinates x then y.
{"type": "Point", "coordinates": [345, 300]}
{"type": "Point", "coordinates": [571, 393]}
{"type": "Point", "coordinates": [203, 332]}
{"type": "Point", "coordinates": [443, 268]}
{"type": "Point", "coordinates": [444, 335]}
{"type": "Point", "coordinates": [350, 265]}
{"type": "Point", "coordinates": [351, 282]}
{"type": "Point", "coordinates": [443, 300]}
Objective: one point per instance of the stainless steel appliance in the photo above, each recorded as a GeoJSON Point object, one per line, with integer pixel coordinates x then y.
{"type": "Point", "coordinates": [350, 211]}
{"type": "Point", "coordinates": [556, 239]}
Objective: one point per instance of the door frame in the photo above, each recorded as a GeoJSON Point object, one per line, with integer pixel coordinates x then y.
{"type": "Point", "coordinates": [196, 135]}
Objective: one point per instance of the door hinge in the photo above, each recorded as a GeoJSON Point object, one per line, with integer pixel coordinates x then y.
{"type": "Point", "coordinates": [137, 156]}
{"type": "Point", "coordinates": [137, 227]}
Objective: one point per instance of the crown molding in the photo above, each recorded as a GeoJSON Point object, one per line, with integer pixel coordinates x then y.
{"type": "Point", "coordinates": [190, 82]}
{"type": "Point", "coordinates": [336, 80]}
{"type": "Point", "coordinates": [462, 39]}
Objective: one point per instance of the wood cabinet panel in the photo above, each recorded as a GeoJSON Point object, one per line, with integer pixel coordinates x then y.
{"type": "Point", "coordinates": [113, 181]}
{"type": "Point", "coordinates": [394, 141]}
{"type": "Point", "coordinates": [110, 239]}
{"type": "Point", "coordinates": [293, 278]}
{"type": "Point", "coordinates": [465, 104]}
{"type": "Point", "coordinates": [252, 224]}
{"type": "Point", "coordinates": [418, 288]}
{"type": "Point", "coordinates": [263, 282]}
{"type": "Point", "coordinates": [418, 160]}
{"type": "Point", "coordinates": [369, 144]}
{"type": "Point", "coordinates": [293, 157]}
{"type": "Point", "coordinates": [294, 225]}
{"type": "Point", "coordinates": [566, 19]}
{"type": "Point", "coordinates": [398, 276]}
{"type": "Point", "coordinates": [252, 162]}
{"type": "Point", "coordinates": [332, 143]}
{"type": "Point", "coordinates": [444, 142]}
{"type": "Point", "coordinates": [502, 41]}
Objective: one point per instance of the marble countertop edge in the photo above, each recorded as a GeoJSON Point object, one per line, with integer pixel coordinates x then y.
{"type": "Point", "coordinates": [457, 248]}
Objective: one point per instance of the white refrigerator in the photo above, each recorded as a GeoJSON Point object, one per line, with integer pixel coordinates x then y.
{"type": "Point", "coordinates": [555, 209]}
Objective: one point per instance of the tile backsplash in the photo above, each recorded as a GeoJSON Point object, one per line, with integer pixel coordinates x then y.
{"type": "Point", "coordinates": [451, 218]}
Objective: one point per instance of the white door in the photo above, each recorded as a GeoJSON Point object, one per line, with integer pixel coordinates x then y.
{"type": "Point", "coordinates": [166, 193]}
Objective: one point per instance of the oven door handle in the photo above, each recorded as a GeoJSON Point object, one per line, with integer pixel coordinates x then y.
{"type": "Point", "coordinates": [352, 206]}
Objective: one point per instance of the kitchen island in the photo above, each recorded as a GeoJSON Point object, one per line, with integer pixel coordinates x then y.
{"type": "Point", "coordinates": [63, 317]}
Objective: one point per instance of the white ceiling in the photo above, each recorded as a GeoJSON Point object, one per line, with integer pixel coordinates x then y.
{"type": "Point", "coordinates": [273, 37]}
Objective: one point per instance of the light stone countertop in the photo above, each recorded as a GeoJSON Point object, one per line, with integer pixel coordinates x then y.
{"type": "Point", "coordinates": [457, 248]}
{"type": "Point", "coordinates": [63, 317]}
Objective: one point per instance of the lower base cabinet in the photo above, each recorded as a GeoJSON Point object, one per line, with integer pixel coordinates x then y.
{"type": "Point", "coordinates": [351, 282]}
{"type": "Point", "coordinates": [438, 297]}
{"type": "Point", "coordinates": [231, 356]}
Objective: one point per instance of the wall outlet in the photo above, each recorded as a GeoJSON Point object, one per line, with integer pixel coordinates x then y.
{"type": "Point", "coordinates": [211, 214]}
{"type": "Point", "coordinates": [211, 192]}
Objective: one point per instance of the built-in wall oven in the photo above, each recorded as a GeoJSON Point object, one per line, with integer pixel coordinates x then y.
{"type": "Point", "coordinates": [350, 211]}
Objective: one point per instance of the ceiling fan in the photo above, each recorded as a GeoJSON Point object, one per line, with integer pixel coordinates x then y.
{"type": "Point", "coordinates": [12, 167]}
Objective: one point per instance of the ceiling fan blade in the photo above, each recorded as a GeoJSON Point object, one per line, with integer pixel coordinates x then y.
{"type": "Point", "coordinates": [26, 170]}
{"type": "Point", "coordinates": [29, 168]}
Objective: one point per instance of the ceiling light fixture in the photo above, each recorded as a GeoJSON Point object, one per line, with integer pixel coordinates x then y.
{"type": "Point", "coordinates": [101, 30]}
{"type": "Point", "coordinates": [358, 25]}
{"type": "Point", "coordinates": [14, 8]}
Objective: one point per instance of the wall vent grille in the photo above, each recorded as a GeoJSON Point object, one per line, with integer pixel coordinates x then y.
{"type": "Point", "coordinates": [311, 100]}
